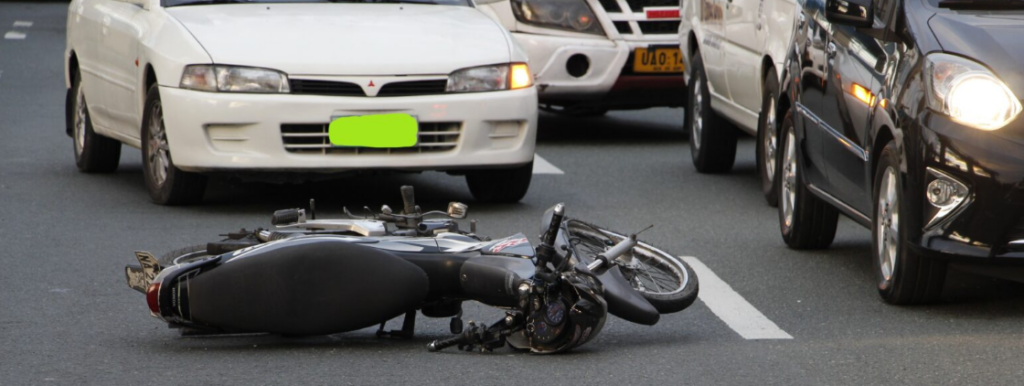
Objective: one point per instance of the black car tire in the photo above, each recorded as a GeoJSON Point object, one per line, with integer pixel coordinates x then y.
{"type": "Point", "coordinates": [712, 139]}
{"type": "Point", "coordinates": [500, 185]}
{"type": "Point", "coordinates": [768, 139]}
{"type": "Point", "coordinates": [94, 153]}
{"type": "Point", "coordinates": [175, 187]}
{"type": "Point", "coordinates": [911, 278]}
{"type": "Point", "coordinates": [811, 223]}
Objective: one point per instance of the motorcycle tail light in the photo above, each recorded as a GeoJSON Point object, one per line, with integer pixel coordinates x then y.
{"type": "Point", "coordinates": [152, 297]}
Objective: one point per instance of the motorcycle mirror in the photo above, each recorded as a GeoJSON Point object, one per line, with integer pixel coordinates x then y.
{"type": "Point", "coordinates": [457, 210]}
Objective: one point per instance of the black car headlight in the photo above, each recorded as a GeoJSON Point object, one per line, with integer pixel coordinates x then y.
{"type": "Point", "coordinates": [218, 78]}
{"type": "Point", "coordinates": [569, 15]}
{"type": "Point", "coordinates": [969, 93]}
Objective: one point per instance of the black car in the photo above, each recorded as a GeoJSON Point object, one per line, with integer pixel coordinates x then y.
{"type": "Point", "coordinates": [903, 115]}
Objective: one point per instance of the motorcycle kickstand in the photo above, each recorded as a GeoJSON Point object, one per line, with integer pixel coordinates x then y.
{"type": "Point", "coordinates": [408, 327]}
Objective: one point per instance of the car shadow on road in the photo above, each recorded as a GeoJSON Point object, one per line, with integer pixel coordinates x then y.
{"type": "Point", "coordinates": [965, 295]}
{"type": "Point", "coordinates": [634, 127]}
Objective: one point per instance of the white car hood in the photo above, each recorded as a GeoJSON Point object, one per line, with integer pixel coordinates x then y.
{"type": "Point", "coordinates": [347, 39]}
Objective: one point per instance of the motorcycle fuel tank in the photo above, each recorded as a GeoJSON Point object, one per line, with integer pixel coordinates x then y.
{"type": "Point", "coordinates": [307, 286]}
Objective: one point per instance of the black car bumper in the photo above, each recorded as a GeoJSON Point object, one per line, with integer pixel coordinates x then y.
{"type": "Point", "coordinates": [988, 226]}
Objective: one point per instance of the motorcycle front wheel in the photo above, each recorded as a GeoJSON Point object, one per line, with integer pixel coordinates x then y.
{"type": "Point", "coordinates": [666, 281]}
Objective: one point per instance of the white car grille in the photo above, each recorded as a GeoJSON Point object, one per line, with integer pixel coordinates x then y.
{"type": "Point", "coordinates": [434, 137]}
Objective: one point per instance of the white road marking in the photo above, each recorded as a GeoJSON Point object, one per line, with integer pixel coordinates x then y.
{"type": "Point", "coordinates": [14, 35]}
{"type": "Point", "coordinates": [542, 166]}
{"type": "Point", "coordinates": [732, 308]}
{"type": "Point", "coordinates": [22, 23]}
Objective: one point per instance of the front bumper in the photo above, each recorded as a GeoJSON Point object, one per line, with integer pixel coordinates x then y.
{"type": "Point", "coordinates": [989, 225]}
{"type": "Point", "coordinates": [213, 132]}
{"type": "Point", "coordinates": [608, 81]}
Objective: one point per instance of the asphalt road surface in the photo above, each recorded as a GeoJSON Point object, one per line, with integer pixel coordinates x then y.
{"type": "Point", "coordinates": [66, 316]}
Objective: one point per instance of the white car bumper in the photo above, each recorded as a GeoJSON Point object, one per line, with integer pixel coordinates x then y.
{"type": "Point", "coordinates": [609, 79]}
{"type": "Point", "coordinates": [209, 132]}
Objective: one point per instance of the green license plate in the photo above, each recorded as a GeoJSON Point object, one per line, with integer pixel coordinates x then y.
{"type": "Point", "coordinates": [377, 131]}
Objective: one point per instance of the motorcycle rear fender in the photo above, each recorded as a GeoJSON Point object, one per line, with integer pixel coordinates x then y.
{"type": "Point", "coordinates": [306, 286]}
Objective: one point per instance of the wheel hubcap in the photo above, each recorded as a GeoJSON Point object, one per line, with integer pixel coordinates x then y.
{"type": "Point", "coordinates": [697, 120]}
{"type": "Point", "coordinates": [158, 155]}
{"type": "Point", "coordinates": [789, 178]}
{"type": "Point", "coordinates": [888, 222]}
{"type": "Point", "coordinates": [80, 121]}
{"type": "Point", "coordinates": [770, 140]}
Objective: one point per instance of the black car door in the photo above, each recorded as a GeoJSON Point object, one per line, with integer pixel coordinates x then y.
{"type": "Point", "coordinates": [856, 64]}
{"type": "Point", "coordinates": [810, 39]}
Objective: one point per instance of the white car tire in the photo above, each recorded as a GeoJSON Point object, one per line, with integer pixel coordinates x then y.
{"type": "Point", "coordinates": [94, 153]}
{"type": "Point", "coordinates": [712, 139]}
{"type": "Point", "coordinates": [167, 184]}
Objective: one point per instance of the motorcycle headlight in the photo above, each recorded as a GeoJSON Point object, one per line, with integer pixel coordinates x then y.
{"type": "Point", "coordinates": [969, 93]}
{"type": "Point", "coordinates": [490, 78]}
{"type": "Point", "coordinates": [217, 78]}
{"type": "Point", "coordinates": [570, 15]}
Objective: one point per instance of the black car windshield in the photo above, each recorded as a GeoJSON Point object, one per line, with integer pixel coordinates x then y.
{"type": "Point", "coordinates": [175, 3]}
{"type": "Point", "coordinates": [989, 5]}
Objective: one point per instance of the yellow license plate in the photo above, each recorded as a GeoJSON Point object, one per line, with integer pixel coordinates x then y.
{"type": "Point", "coordinates": [658, 60]}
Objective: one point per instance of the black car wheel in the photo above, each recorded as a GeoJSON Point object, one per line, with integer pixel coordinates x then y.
{"type": "Point", "coordinates": [500, 185]}
{"type": "Point", "coordinates": [94, 153]}
{"type": "Point", "coordinates": [903, 276]}
{"type": "Point", "coordinates": [806, 221]}
{"type": "Point", "coordinates": [712, 139]}
{"type": "Point", "coordinates": [167, 184]}
{"type": "Point", "coordinates": [768, 139]}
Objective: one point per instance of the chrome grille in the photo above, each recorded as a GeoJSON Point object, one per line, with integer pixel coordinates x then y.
{"type": "Point", "coordinates": [418, 87]}
{"type": "Point", "coordinates": [324, 87]}
{"type": "Point", "coordinates": [434, 137]}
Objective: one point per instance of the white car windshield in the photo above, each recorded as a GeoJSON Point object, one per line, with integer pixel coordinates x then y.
{"type": "Point", "coordinates": [175, 3]}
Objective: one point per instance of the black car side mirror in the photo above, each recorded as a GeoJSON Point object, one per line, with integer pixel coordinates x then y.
{"type": "Point", "coordinates": [857, 13]}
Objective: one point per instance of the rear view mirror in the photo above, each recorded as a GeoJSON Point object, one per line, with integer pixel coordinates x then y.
{"type": "Point", "coordinates": [457, 210]}
{"type": "Point", "coordinates": [857, 13]}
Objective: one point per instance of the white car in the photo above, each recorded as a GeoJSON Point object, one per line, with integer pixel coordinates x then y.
{"type": "Point", "coordinates": [251, 88]}
{"type": "Point", "coordinates": [591, 56]}
{"type": "Point", "coordinates": [735, 50]}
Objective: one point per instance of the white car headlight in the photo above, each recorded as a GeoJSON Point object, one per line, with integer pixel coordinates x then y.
{"type": "Point", "coordinates": [490, 78]}
{"type": "Point", "coordinates": [969, 93]}
{"type": "Point", "coordinates": [217, 78]}
{"type": "Point", "coordinates": [569, 15]}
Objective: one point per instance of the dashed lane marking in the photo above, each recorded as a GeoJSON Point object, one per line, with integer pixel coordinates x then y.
{"type": "Point", "coordinates": [22, 23]}
{"type": "Point", "coordinates": [14, 35]}
{"type": "Point", "coordinates": [731, 307]}
{"type": "Point", "coordinates": [542, 166]}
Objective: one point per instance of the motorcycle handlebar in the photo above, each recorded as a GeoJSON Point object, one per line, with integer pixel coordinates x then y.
{"type": "Point", "coordinates": [606, 257]}
{"type": "Point", "coordinates": [556, 221]}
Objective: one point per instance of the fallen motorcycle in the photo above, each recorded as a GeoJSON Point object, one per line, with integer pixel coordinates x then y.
{"type": "Point", "coordinates": [314, 277]}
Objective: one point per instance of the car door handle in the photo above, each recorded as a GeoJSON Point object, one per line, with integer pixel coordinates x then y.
{"type": "Point", "coordinates": [831, 50]}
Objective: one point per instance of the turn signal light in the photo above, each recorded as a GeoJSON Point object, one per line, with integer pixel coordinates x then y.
{"type": "Point", "coordinates": [521, 77]}
{"type": "Point", "coordinates": [152, 297]}
{"type": "Point", "coordinates": [863, 94]}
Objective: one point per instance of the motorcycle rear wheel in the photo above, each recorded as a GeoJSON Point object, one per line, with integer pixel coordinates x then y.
{"type": "Point", "coordinates": [666, 281]}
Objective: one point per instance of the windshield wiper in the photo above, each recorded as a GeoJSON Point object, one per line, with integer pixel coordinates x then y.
{"type": "Point", "coordinates": [201, 2]}
{"type": "Point", "coordinates": [982, 4]}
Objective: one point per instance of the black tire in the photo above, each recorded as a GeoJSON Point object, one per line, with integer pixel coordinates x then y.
{"type": "Point", "coordinates": [712, 139]}
{"type": "Point", "coordinates": [167, 184]}
{"type": "Point", "coordinates": [904, 277]}
{"type": "Point", "coordinates": [589, 240]}
{"type": "Point", "coordinates": [767, 139]}
{"type": "Point", "coordinates": [500, 185]}
{"type": "Point", "coordinates": [94, 153]}
{"type": "Point", "coordinates": [189, 253]}
{"type": "Point", "coordinates": [811, 223]}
